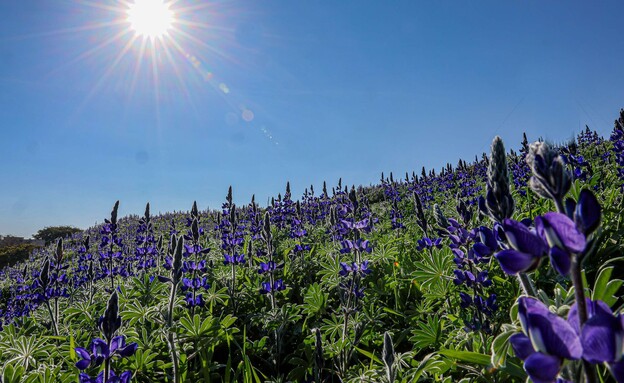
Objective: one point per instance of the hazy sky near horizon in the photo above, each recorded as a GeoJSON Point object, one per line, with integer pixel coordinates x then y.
{"type": "Point", "coordinates": [256, 93]}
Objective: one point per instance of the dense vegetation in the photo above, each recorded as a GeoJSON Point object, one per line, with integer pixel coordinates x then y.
{"type": "Point", "coordinates": [52, 233]}
{"type": "Point", "coordinates": [12, 254]}
{"type": "Point", "coordinates": [464, 275]}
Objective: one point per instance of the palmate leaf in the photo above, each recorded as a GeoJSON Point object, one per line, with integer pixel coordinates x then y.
{"type": "Point", "coordinates": [143, 361]}
{"type": "Point", "coordinates": [385, 249]}
{"type": "Point", "coordinates": [315, 300]}
{"type": "Point", "coordinates": [329, 273]}
{"type": "Point", "coordinates": [433, 272]}
{"type": "Point", "coordinates": [137, 312]}
{"type": "Point", "coordinates": [332, 326]}
{"type": "Point", "coordinates": [214, 297]}
{"type": "Point", "coordinates": [79, 311]}
{"type": "Point", "coordinates": [199, 332]}
{"type": "Point", "coordinates": [26, 350]}
{"type": "Point", "coordinates": [12, 374]}
{"type": "Point", "coordinates": [146, 289]}
{"type": "Point", "coordinates": [431, 365]}
{"type": "Point", "coordinates": [429, 333]}
{"type": "Point", "coordinates": [50, 374]}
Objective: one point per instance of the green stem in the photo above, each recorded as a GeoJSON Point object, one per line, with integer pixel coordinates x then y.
{"type": "Point", "coordinates": [527, 285]}
{"type": "Point", "coordinates": [579, 294]}
{"type": "Point", "coordinates": [233, 288]}
{"type": "Point", "coordinates": [54, 325]}
{"type": "Point", "coordinates": [174, 357]}
{"type": "Point", "coordinates": [171, 336]}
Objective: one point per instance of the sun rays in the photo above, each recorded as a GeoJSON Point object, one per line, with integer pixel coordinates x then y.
{"type": "Point", "coordinates": [150, 43]}
{"type": "Point", "coordinates": [158, 55]}
{"type": "Point", "coordinates": [150, 18]}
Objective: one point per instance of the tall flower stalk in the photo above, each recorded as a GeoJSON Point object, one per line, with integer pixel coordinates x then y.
{"type": "Point", "coordinates": [498, 203]}
{"type": "Point", "coordinates": [102, 351]}
{"type": "Point", "coordinates": [355, 222]}
{"type": "Point", "coordinates": [174, 264]}
{"type": "Point", "coordinates": [271, 266]}
{"type": "Point", "coordinates": [110, 241]}
{"type": "Point", "coordinates": [52, 280]}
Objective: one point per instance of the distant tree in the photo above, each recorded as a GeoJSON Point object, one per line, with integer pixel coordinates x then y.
{"type": "Point", "coordinates": [52, 233]}
{"type": "Point", "coordinates": [11, 255]}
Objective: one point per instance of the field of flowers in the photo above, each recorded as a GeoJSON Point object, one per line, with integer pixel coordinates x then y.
{"type": "Point", "coordinates": [501, 270]}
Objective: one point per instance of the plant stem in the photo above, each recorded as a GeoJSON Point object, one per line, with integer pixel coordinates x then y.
{"type": "Point", "coordinates": [579, 294]}
{"type": "Point", "coordinates": [106, 369]}
{"type": "Point", "coordinates": [171, 337]}
{"type": "Point", "coordinates": [559, 205]}
{"type": "Point", "coordinates": [233, 288]}
{"type": "Point", "coordinates": [56, 313]}
{"type": "Point", "coordinates": [527, 285]}
{"type": "Point", "coordinates": [54, 325]}
{"type": "Point", "coordinates": [174, 357]}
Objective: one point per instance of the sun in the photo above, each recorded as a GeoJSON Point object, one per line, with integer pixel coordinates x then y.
{"type": "Point", "coordinates": [150, 18]}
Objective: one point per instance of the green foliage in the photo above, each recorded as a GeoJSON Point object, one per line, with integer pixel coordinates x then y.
{"type": "Point", "coordinates": [409, 296]}
{"type": "Point", "coordinates": [433, 273]}
{"type": "Point", "coordinates": [11, 255]}
{"type": "Point", "coordinates": [52, 233]}
{"type": "Point", "coordinates": [605, 288]}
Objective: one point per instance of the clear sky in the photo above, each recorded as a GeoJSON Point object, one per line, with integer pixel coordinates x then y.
{"type": "Point", "coordinates": [255, 93]}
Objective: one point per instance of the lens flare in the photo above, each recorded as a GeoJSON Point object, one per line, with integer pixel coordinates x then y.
{"type": "Point", "coordinates": [150, 18]}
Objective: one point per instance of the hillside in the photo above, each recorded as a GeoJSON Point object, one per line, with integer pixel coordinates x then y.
{"type": "Point", "coordinates": [417, 278]}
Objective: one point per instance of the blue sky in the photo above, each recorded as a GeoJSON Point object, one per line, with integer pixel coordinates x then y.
{"type": "Point", "coordinates": [258, 93]}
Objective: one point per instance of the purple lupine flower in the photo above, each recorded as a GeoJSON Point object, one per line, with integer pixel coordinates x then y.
{"type": "Point", "coordinates": [278, 285]}
{"type": "Point", "coordinates": [103, 350]}
{"type": "Point", "coordinates": [359, 244]}
{"type": "Point", "coordinates": [269, 267]}
{"type": "Point", "coordinates": [168, 262]}
{"type": "Point", "coordinates": [427, 243]}
{"type": "Point", "coordinates": [602, 336]}
{"type": "Point", "coordinates": [99, 351]}
{"type": "Point", "coordinates": [546, 341]}
{"type": "Point", "coordinates": [265, 287]}
{"type": "Point", "coordinates": [195, 283]}
{"type": "Point", "coordinates": [300, 248]}
{"type": "Point", "coordinates": [466, 300]}
{"type": "Point", "coordinates": [194, 301]}
{"type": "Point", "coordinates": [235, 259]}
{"type": "Point", "coordinates": [191, 266]}
{"type": "Point", "coordinates": [362, 268]}
{"type": "Point", "coordinates": [527, 248]}
{"type": "Point", "coordinates": [587, 212]}
{"type": "Point", "coordinates": [487, 244]}
{"type": "Point", "coordinates": [563, 237]}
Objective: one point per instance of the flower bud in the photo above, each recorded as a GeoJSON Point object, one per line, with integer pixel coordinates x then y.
{"type": "Point", "coordinates": [550, 178]}
{"type": "Point", "coordinates": [498, 203]}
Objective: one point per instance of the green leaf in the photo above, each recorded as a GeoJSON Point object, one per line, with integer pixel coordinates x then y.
{"type": "Point", "coordinates": [428, 333]}
{"type": "Point", "coordinates": [72, 349]}
{"type": "Point", "coordinates": [432, 273]}
{"type": "Point", "coordinates": [315, 300]}
{"type": "Point", "coordinates": [604, 288]}
{"type": "Point", "coordinates": [500, 348]}
{"type": "Point", "coordinates": [467, 356]}
{"type": "Point", "coordinates": [510, 368]}
{"type": "Point", "coordinates": [389, 310]}
{"type": "Point", "coordinates": [12, 374]}
{"type": "Point", "coordinates": [369, 355]}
